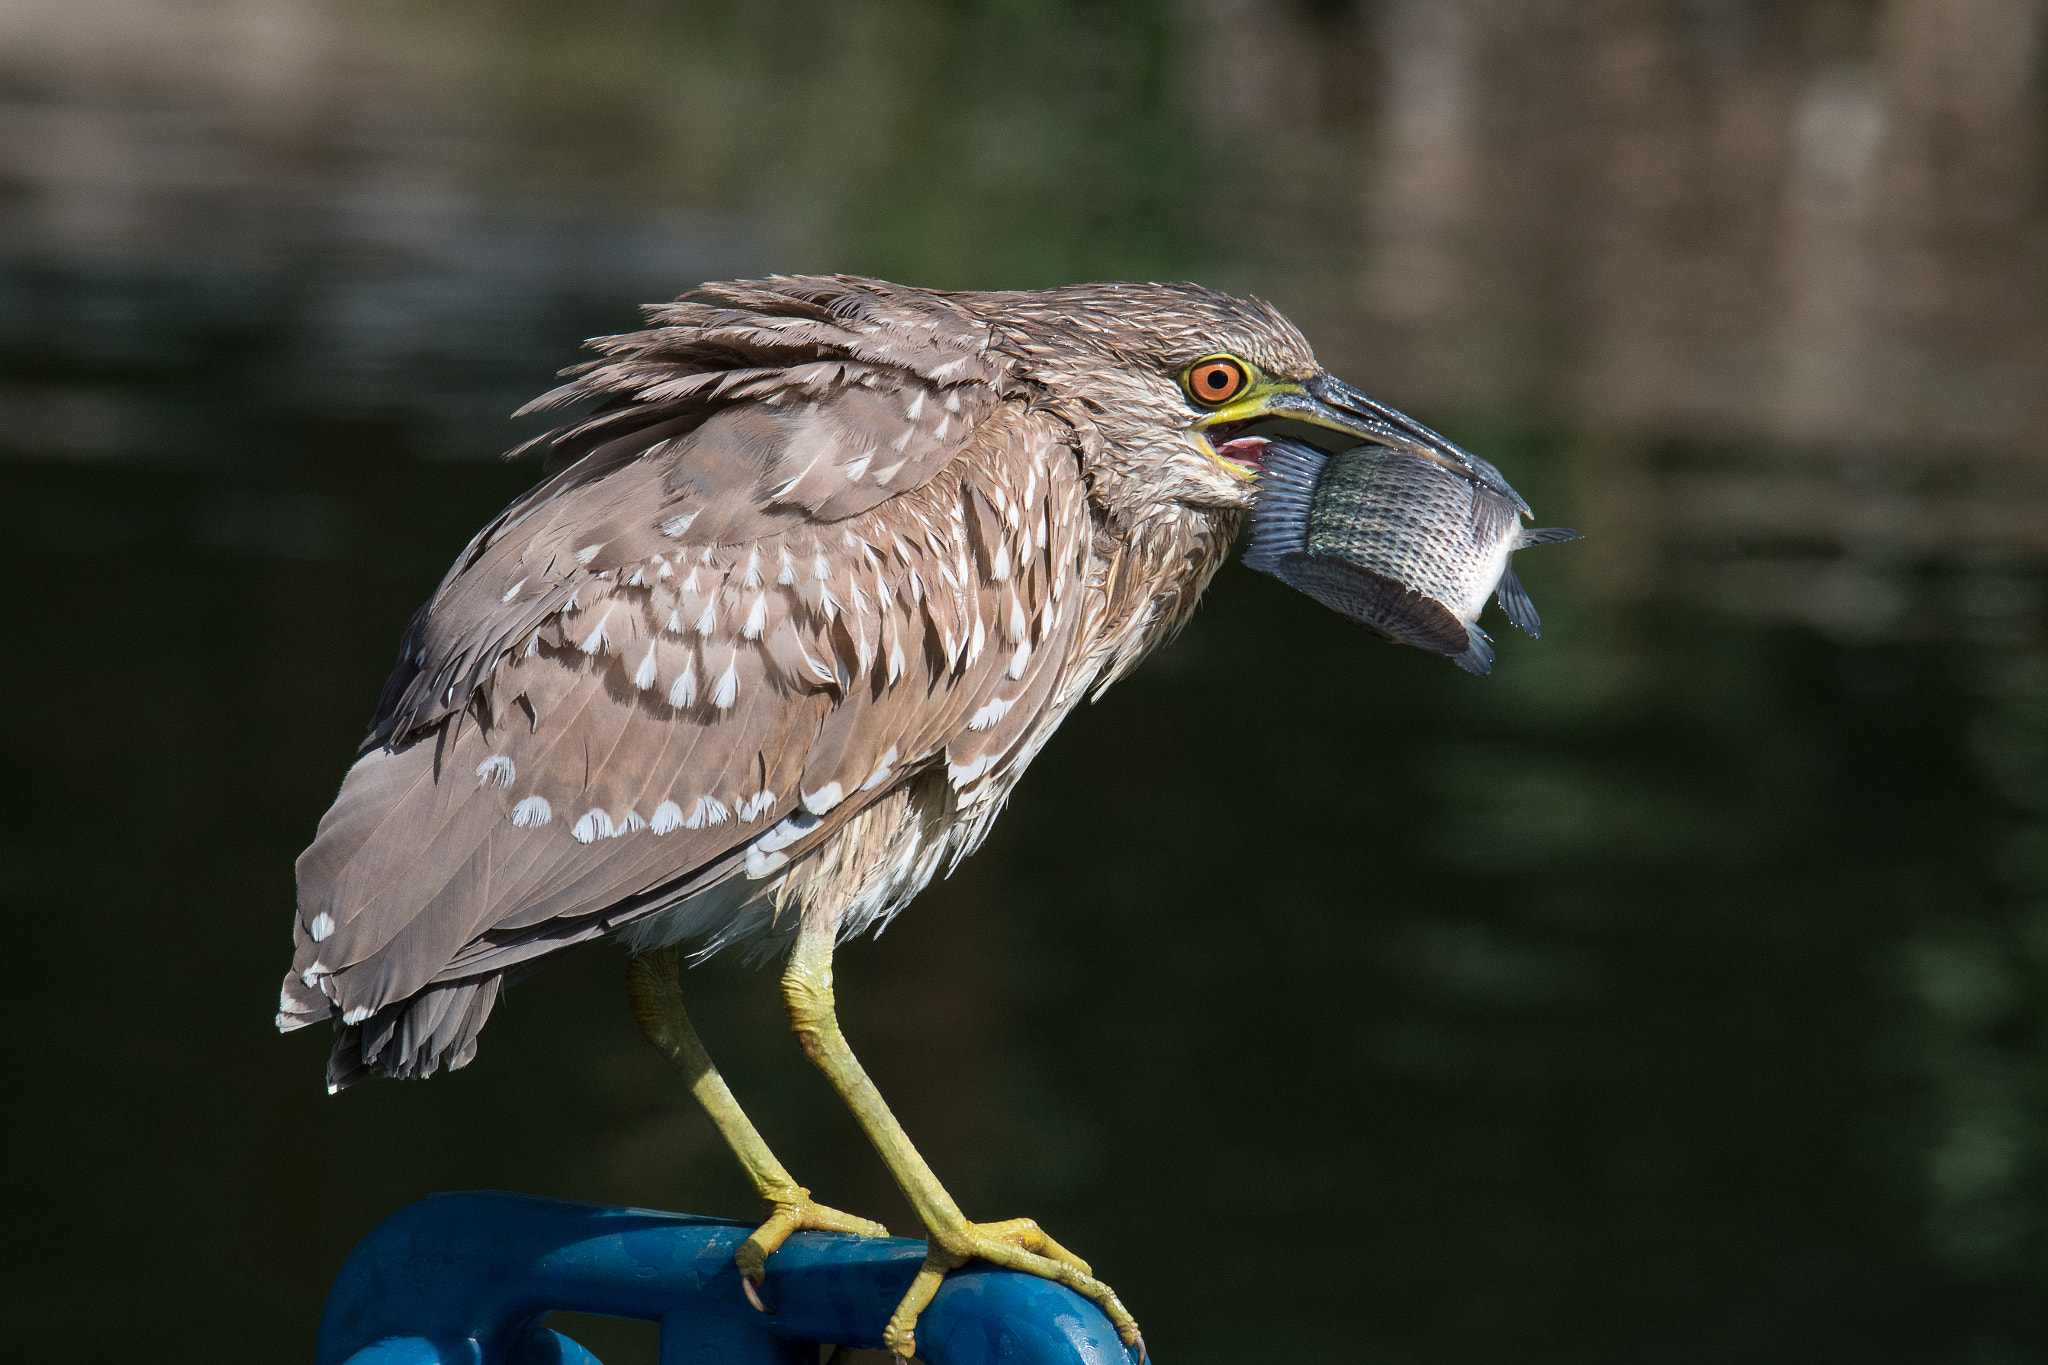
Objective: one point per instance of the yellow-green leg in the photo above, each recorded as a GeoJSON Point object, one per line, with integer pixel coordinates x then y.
{"type": "Point", "coordinates": [1018, 1244]}
{"type": "Point", "coordinates": [653, 985]}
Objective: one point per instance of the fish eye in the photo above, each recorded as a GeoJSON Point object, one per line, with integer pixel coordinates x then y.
{"type": "Point", "coordinates": [1217, 380]}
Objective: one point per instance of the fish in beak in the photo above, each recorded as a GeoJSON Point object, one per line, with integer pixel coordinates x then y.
{"type": "Point", "coordinates": [1389, 524]}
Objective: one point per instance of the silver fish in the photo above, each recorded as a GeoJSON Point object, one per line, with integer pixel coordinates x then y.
{"type": "Point", "coordinates": [1402, 544]}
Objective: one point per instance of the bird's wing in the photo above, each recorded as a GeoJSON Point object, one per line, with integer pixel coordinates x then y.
{"type": "Point", "coordinates": [765, 408]}
{"type": "Point", "coordinates": [687, 663]}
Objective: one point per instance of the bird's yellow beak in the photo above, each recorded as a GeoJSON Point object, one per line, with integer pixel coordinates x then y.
{"type": "Point", "coordinates": [1241, 454]}
{"type": "Point", "coordinates": [1329, 403]}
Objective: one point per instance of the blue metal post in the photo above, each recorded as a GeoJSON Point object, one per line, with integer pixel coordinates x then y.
{"type": "Point", "coordinates": [464, 1279]}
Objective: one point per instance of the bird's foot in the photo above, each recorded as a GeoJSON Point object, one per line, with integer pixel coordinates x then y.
{"type": "Point", "coordinates": [1018, 1244]}
{"type": "Point", "coordinates": [791, 1209]}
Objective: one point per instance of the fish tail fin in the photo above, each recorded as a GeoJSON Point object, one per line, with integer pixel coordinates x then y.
{"type": "Point", "coordinates": [1514, 600]}
{"type": "Point", "coordinates": [1547, 535]}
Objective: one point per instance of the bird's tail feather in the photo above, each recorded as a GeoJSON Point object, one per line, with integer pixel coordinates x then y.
{"type": "Point", "coordinates": [431, 1031]}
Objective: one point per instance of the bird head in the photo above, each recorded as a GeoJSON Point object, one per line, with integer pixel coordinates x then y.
{"type": "Point", "coordinates": [1183, 385]}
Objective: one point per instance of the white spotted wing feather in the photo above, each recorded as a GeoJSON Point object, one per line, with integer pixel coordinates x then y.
{"type": "Point", "coordinates": [682, 663]}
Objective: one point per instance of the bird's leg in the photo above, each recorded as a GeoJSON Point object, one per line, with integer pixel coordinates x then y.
{"type": "Point", "coordinates": [654, 987]}
{"type": "Point", "coordinates": [1018, 1244]}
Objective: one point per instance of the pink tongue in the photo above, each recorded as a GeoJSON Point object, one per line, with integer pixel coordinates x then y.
{"type": "Point", "coordinates": [1249, 450]}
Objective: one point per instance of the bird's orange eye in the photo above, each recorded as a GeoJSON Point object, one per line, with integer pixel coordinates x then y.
{"type": "Point", "coordinates": [1217, 380]}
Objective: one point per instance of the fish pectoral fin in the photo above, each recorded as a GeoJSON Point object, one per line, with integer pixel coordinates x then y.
{"type": "Point", "coordinates": [1547, 535]}
{"type": "Point", "coordinates": [1514, 600]}
{"type": "Point", "coordinates": [1478, 656]}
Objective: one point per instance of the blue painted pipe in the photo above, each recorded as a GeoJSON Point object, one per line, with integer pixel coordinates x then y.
{"type": "Point", "coordinates": [464, 1279]}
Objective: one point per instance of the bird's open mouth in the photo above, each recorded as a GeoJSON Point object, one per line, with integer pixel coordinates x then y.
{"type": "Point", "coordinates": [1241, 454]}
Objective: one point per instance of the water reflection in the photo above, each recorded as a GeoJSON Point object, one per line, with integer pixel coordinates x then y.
{"type": "Point", "coordinates": [1678, 991]}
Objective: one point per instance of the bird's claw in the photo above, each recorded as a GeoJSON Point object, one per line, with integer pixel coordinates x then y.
{"type": "Point", "coordinates": [1018, 1244]}
{"type": "Point", "coordinates": [791, 1210]}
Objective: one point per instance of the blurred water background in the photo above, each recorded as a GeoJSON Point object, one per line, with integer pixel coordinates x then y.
{"type": "Point", "coordinates": [1680, 993]}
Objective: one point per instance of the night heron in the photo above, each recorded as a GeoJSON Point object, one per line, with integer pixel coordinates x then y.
{"type": "Point", "coordinates": [769, 646]}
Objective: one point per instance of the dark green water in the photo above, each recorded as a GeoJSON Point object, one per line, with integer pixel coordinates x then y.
{"type": "Point", "coordinates": [1679, 993]}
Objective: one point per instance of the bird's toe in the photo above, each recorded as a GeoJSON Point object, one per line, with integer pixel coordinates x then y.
{"type": "Point", "coordinates": [1014, 1244]}
{"type": "Point", "coordinates": [792, 1211]}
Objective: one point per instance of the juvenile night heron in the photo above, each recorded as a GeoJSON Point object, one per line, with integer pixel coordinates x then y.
{"type": "Point", "coordinates": [769, 646]}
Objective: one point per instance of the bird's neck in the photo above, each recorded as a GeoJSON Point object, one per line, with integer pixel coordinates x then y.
{"type": "Point", "coordinates": [1147, 576]}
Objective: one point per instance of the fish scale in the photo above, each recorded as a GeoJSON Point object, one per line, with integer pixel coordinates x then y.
{"type": "Point", "coordinates": [1399, 543]}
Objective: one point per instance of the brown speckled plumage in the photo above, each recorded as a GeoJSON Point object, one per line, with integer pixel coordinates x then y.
{"type": "Point", "coordinates": [783, 625]}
